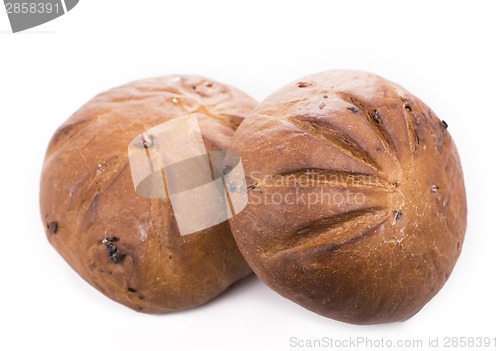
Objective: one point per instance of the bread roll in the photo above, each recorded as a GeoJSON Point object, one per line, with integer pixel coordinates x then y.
{"type": "Point", "coordinates": [357, 207]}
{"type": "Point", "coordinates": [125, 245]}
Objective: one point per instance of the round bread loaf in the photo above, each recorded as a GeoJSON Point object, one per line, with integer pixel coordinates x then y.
{"type": "Point", "coordinates": [357, 206]}
{"type": "Point", "coordinates": [125, 245]}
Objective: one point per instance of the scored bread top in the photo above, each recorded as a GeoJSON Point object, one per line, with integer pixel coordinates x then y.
{"type": "Point", "coordinates": [356, 197]}
{"type": "Point", "coordinates": [127, 246]}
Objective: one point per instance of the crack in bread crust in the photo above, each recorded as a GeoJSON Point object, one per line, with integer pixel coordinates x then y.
{"type": "Point", "coordinates": [332, 232]}
{"type": "Point", "coordinates": [376, 122]}
{"type": "Point", "coordinates": [341, 141]}
{"type": "Point", "coordinates": [320, 177]}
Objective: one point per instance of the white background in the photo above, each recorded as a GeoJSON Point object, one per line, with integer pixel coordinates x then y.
{"type": "Point", "coordinates": [446, 53]}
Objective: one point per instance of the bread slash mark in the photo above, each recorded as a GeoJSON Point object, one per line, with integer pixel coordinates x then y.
{"type": "Point", "coordinates": [333, 232]}
{"type": "Point", "coordinates": [376, 122]}
{"type": "Point", "coordinates": [318, 129]}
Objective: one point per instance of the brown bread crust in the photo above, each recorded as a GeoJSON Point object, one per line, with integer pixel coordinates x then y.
{"type": "Point", "coordinates": [87, 195]}
{"type": "Point", "coordinates": [376, 258]}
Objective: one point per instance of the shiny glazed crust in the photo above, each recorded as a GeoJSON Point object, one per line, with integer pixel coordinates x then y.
{"type": "Point", "coordinates": [377, 215]}
{"type": "Point", "coordinates": [126, 246]}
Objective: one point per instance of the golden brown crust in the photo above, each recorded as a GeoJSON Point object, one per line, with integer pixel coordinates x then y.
{"type": "Point", "coordinates": [325, 139]}
{"type": "Point", "coordinates": [87, 195]}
